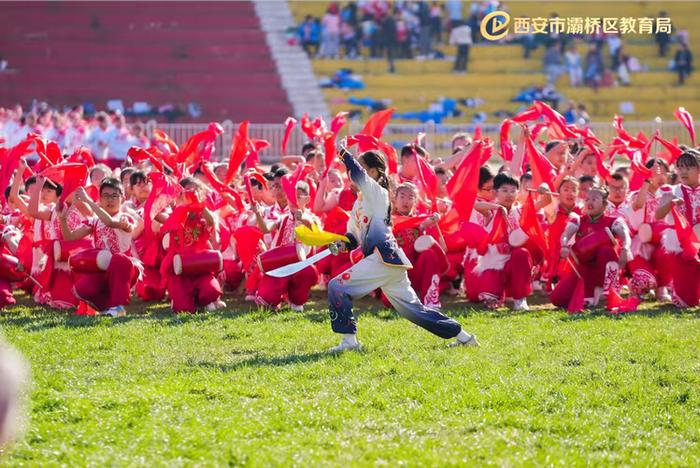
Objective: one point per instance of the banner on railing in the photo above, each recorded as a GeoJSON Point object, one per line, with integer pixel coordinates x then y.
{"type": "Point", "coordinates": [438, 137]}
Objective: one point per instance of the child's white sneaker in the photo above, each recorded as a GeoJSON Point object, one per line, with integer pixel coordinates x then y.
{"type": "Point", "coordinates": [520, 304]}
{"type": "Point", "coordinates": [349, 343]}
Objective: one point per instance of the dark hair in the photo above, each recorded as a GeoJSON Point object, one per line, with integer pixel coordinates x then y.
{"type": "Point", "coordinates": [375, 160]}
{"type": "Point", "coordinates": [269, 176]}
{"type": "Point", "coordinates": [440, 170]}
{"type": "Point", "coordinates": [551, 145]}
{"type": "Point", "coordinates": [113, 183]}
{"type": "Point", "coordinates": [125, 172]}
{"type": "Point", "coordinates": [137, 177]}
{"type": "Point", "coordinates": [661, 162]}
{"type": "Point", "coordinates": [7, 192]}
{"type": "Point", "coordinates": [505, 179]}
{"type": "Point", "coordinates": [526, 176]}
{"type": "Point", "coordinates": [274, 168]}
{"type": "Point", "coordinates": [311, 154]}
{"type": "Point", "coordinates": [51, 185]}
{"type": "Point", "coordinates": [586, 178]}
{"type": "Point", "coordinates": [618, 177]}
{"type": "Point", "coordinates": [309, 145]}
{"type": "Point", "coordinates": [485, 175]}
{"type": "Point", "coordinates": [281, 172]}
{"type": "Point", "coordinates": [31, 180]}
{"type": "Point", "coordinates": [689, 158]}
{"type": "Point", "coordinates": [408, 150]}
{"type": "Point", "coordinates": [255, 183]}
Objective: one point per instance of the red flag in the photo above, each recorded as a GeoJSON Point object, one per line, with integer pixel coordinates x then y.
{"type": "Point", "coordinates": [254, 147]}
{"type": "Point", "coordinates": [288, 126]}
{"type": "Point", "coordinates": [673, 150]}
{"type": "Point", "coordinates": [506, 146]}
{"type": "Point", "coordinates": [556, 120]}
{"type": "Point", "coordinates": [338, 122]}
{"type": "Point", "coordinates": [368, 142]}
{"type": "Point", "coordinates": [161, 137]}
{"type": "Point", "coordinates": [614, 301]}
{"type": "Point", "coordinates": [531, 225]}
{"type": "Point", "coordinates": [83, 155]}
{"type": "Point", "coordinates": [686, 236]}
{"type": "Point", "coordinates": [399, 223]}
{"type": "Point", "coordinates": [70, 175]}
{"type": "Point", "coordinates": [542, 169]}
{"type": "Point", "coordinates": [307, 127]}
{"type": "Point", "coordinates": [220, 187]}
{"type": "Point", "coordinates": [428, 179]}
{"type": "Point", "coordinates": [289, 182]}
{"type": "Point", "coordinates": [239, 149]}
{"type": "Point", "coordinates": [599, 156]}
{"type": "Point", "coordinates": [464, 184]}
{"type": "Point", "coordinates": [499, 231]}
{"type": "Point", "coordinates": [687, 120]}
{"type": "Point", "coordinates": [189, 153]}
{"type": "Point", "coordinates": [376, 123]}
{"type": "Point", "coordinates": [329, 149]}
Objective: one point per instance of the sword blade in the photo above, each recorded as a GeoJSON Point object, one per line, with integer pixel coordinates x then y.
{"type": "Point", "coordinates": [288, 270]}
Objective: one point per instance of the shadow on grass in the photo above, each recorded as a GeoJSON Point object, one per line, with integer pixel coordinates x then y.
{"type": "Point", "coordinates": [265, 361]}
{"type": "Point", "coordinates": [31, 317]}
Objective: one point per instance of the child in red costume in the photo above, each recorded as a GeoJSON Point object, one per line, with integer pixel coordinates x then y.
{"type": "Point", "coordinates": [297, 286]}
{"type": "Point", "coordinates": [428, 265]}
{"type": "Point", "coordinates": [112, 230]}
{"type": "Point", "coordinates": [600, 272]}
{"type": "Point", "coordinates": [686, 197]}
{"type": "Point", "coordinates": [191, 228]}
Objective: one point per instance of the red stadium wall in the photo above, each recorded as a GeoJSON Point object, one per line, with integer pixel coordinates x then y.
{"type": "Point", "coordinates": [214, 54]}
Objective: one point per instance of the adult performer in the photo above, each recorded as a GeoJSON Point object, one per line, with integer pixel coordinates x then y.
{"type": "Point", "coordinates": [384, 264]}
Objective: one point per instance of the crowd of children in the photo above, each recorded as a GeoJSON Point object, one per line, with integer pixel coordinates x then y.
{"type": "Point", "coordinates": [557, 212]}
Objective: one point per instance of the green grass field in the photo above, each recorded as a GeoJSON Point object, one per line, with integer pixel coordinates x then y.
{"type": "Point", "coordinates": [249, 387]}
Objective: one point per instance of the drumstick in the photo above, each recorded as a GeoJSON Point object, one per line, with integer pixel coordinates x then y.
{"type": "Point", "coordinates": [610, 235]}
{"type": "Point", "coordinates": [554, 194]}
{"type": "Point", "coordinates": [568, 259]}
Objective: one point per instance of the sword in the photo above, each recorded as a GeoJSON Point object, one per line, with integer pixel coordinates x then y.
{"type": "Point", "coordinates": [289, 270]}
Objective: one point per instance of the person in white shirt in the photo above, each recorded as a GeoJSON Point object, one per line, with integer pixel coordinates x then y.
{"type": "Point", "coordinates": [461, 36]}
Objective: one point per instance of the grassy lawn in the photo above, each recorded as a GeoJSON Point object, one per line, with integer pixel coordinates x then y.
{"type": "Point", "coordinates": [256, 388]}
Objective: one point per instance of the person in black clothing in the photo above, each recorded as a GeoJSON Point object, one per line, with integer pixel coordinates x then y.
{"type": "Point", "coordinates": [663, 38]}
{"type": "Point", "coordinates": [683, 62]}
{"type": "Point", "coordinates": [388, 38]}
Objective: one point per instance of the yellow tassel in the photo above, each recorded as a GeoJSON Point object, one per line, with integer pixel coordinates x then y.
{"type": "Point", "coordinates": [316, 237]}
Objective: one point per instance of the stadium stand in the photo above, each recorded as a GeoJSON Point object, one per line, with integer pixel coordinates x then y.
{"type": "Point", "coordinates": [498, 72]}
{"type": "Point", "coordinates": [158, 52]}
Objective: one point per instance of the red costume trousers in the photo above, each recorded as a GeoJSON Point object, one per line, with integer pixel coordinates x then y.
{"type": "Point", "coordinates": [271, 290]}
{"type": "Point", "coordinates": [189, 292]}
{"type": "Point", "coordinates": [110, 288]}
{"type": "Point", "coordinates": [595, 275]}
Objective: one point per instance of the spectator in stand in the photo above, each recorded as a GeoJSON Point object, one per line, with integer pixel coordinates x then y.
{"type": "Point", "coordinates": [330, 35]}
{"type": "Point", "coordinates": [436, 22]}
{"type": "Point", "coordinates": [349, 37]}
{"type": "Point", "coordinates": [663, 39]}
{"type": "Point", "coordinates": [371, 36]}
{"type": "Point", "coordinates": [683, 62]}
{"type": "Point", "coordinates": [98, 139]}
{"type": "Point", "coordinates": [388, 40]}
{"type": "Point", "coordinates": [594, 67]}
{"type": "Point", "coordinates": [573, 66]}
{"type": "Point", "coordinates": [461, 36]}
{"type": "Point", "coordinates": [553, 63]}
{"type": "Point", "coordinates": [308, 35]}
{"type": "Point", "coordinates": [454, 13]}
{"type": "Point", "coordinates": [403, 36]}
{"type": "Point", "coordinates": [425, 46]}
